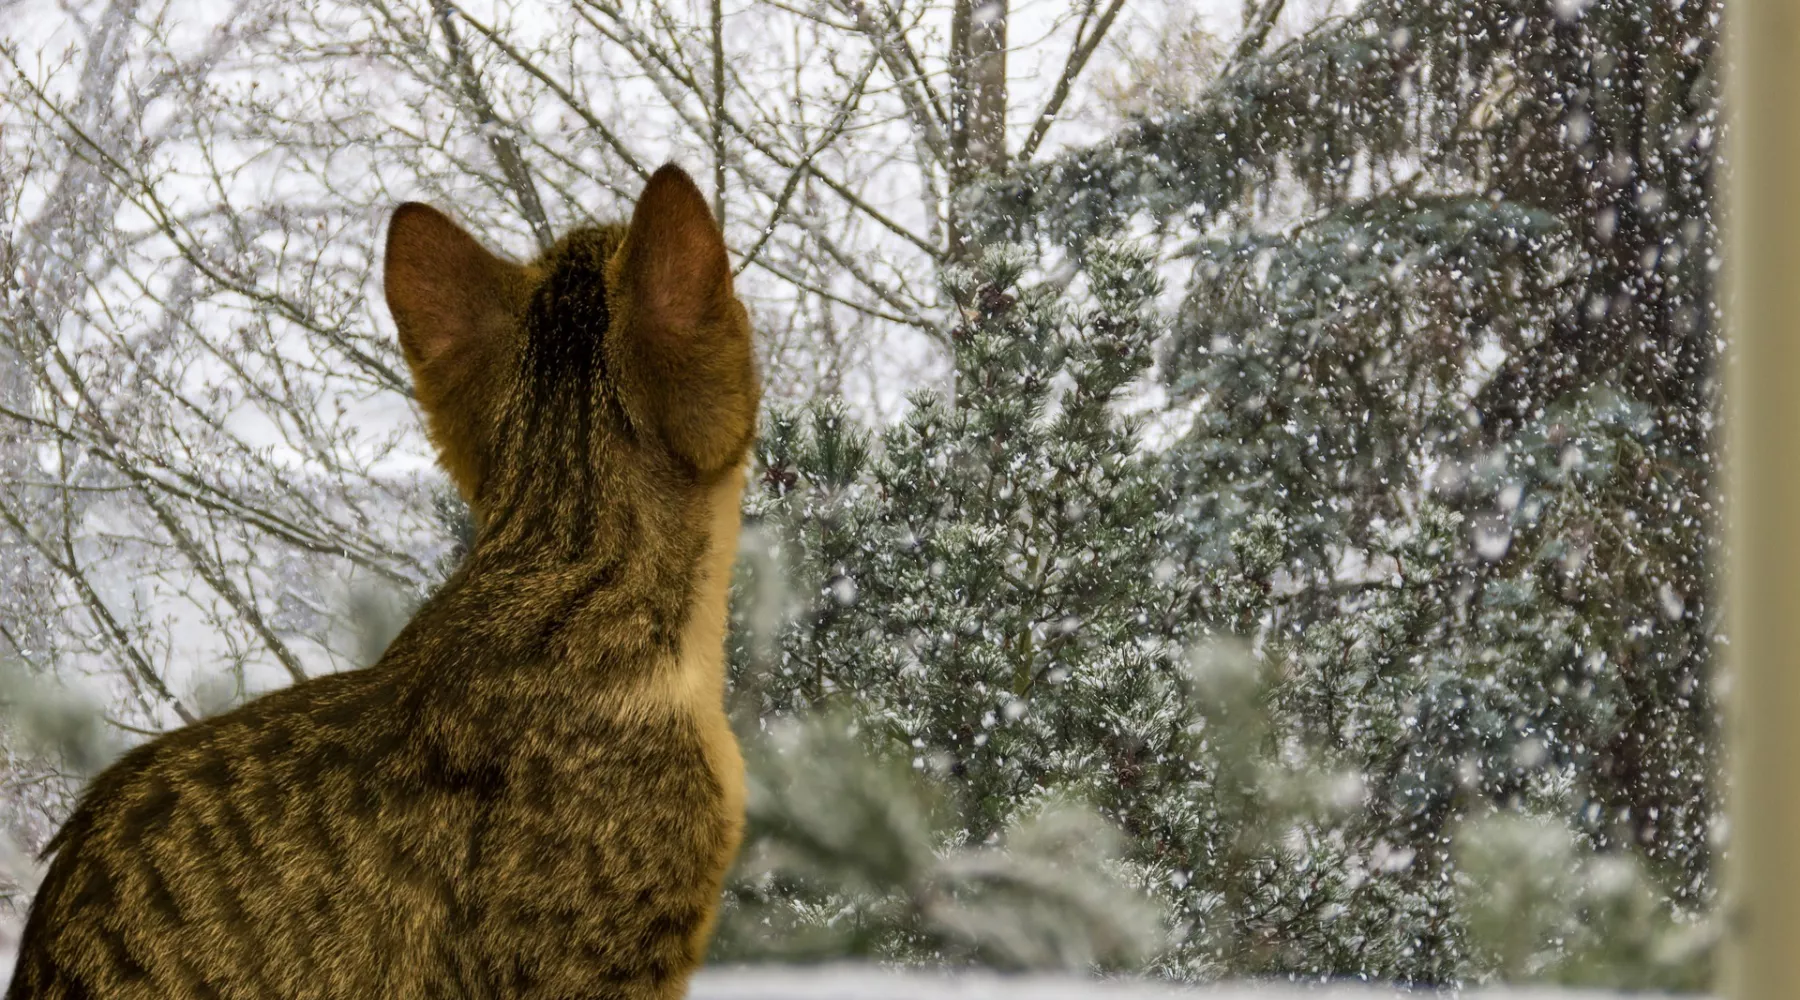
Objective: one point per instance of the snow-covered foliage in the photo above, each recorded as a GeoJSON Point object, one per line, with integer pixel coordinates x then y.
{"type": "Point", "coordinates": [1394, 662]}
{"type": "Point", "coordinates": [1015, 598]}
{"type": "Point", "coordinates": [1305, 569]}
{"type": "Point", "coordinates": [851, 983]}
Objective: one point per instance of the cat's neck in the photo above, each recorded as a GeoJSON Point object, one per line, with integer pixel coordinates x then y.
{"type": "Point", "coordinates": [651, 598]}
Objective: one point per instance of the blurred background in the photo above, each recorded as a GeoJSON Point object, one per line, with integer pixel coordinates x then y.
{"type": "Point", "coordinates": [1236, 499]}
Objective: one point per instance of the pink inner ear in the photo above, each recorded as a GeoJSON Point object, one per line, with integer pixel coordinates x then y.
{"type": "Point", "coordinates": [677, 264]}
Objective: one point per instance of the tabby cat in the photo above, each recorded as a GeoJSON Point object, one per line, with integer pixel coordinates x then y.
{"type": "Point", "coordinates": [534, 792]}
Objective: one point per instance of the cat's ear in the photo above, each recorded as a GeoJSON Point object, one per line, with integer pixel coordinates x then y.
{"type": "Point", "coordinates": [445, 290]}
{"type": "Point", "coordinates": [683, 357]}
{"type": "Point", "coordinates": [454, 304]}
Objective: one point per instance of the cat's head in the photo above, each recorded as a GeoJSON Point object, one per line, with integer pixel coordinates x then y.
{"type": "Point", "coordinates": [619, 360]}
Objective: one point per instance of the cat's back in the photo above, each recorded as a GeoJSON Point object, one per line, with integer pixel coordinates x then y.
{"type": "Point", "coordinates": [610, 808]}
{"type": "Point", "coordinates": [275, 850]}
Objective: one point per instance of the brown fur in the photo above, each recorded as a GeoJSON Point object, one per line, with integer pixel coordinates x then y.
{"type": "Point", "coordinates": [534, 793]}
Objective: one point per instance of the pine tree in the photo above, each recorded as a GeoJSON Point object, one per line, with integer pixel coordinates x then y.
{"type": "Point", "coordinates": [984, 588]}
{"type": "Point", "coordinates": [1445, 365]}
{"type": "Point", "coordinates": [1454, 261]}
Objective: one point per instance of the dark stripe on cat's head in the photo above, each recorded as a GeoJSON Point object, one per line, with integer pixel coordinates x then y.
{"type": "Point", "coordinates": [568, 318]}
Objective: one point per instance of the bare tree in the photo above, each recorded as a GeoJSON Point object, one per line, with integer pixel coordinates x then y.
{"type": "Point", "coordinates": [207, 449]}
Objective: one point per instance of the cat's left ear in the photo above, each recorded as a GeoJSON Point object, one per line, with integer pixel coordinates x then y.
{"type": "Point", "coordinates": [453, 302]}
{"type": "Point", "coordinates": [683, 360]}
{"type": "Point", "coordinates": [445, 289]}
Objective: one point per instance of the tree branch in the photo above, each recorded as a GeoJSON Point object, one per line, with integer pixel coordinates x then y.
{"type": "Point", "coordinates": [718, 110]}
{"type": "Point", "coordinates": [612, 141]}
{"type": "Point", "coordinates": [661, 60]}
{"type": "Point", "coordinates": [1256, 31]}
{"type": "Point", "coordinates": [804, 167]}
{"type": "Point", "coordinates": [891, 44]}
{"type": "Point", "coordinates": [1079, 54]}
{"type": "Point", "coordinates": [506, 151]}
{"type": "Point", "coordinates": [141, 672]}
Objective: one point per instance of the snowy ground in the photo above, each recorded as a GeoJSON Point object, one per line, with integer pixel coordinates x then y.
{"type": "Point", "coordinates": [863, 984]}
{"type": "Point", "coordinates": [852, 983]}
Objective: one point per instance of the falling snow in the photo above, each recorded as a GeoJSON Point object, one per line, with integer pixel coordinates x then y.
{"type": "Point", "coordinates": [1261, 528]}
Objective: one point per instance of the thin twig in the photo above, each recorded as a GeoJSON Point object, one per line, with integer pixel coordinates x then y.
{"type": "Point", "coordinates": [71, 570]}
{"type": "Point", "coordinates": [804, 167]}
{"type": "Point", "coordinates": [891, 43]}
{"type": "Point", "coordinates": [665, 62]}
{"type": "Point", "coordinates": [718, 110]}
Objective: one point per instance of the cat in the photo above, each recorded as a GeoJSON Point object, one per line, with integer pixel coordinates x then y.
{"type": "Point", "coordinates": [534, 792]}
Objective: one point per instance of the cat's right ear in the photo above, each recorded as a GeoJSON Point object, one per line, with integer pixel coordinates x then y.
{"type": "Point", "coordinates": [454, 304]}
{"type": "Point", "coordinates": [683, 358]}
